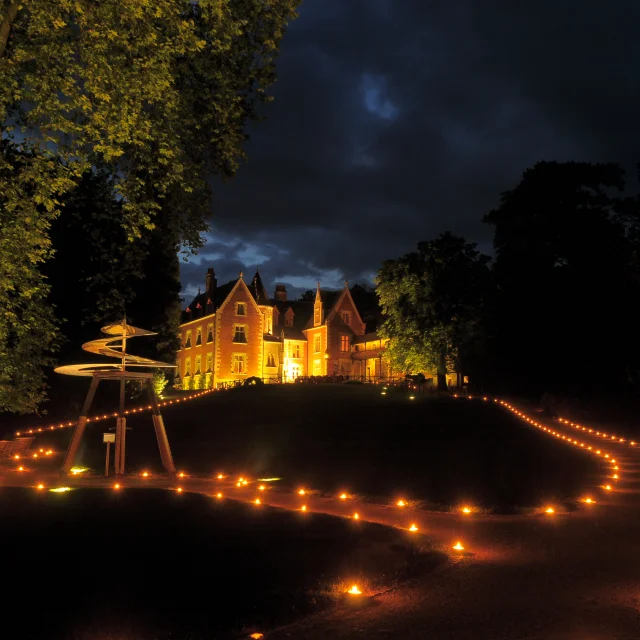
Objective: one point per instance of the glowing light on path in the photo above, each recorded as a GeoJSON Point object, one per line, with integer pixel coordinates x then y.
{"type": "Point", "coordinates": [218, 495]}
{"type": "Point", "coordinates": [413, 528]}
{"type": "Point", "coordinates": [354, 591]}
{"type": "Point", "coordinates": [303, 508]}
{"type": "Point", "coordinates": [343, 496]}
{"type": "Point", "coordinates": [550, 510]}
{"type": "Point", "coordinates": [458, 546]}
{"type": "Point", "coordinates": [466, 510]}
{"type": "Point", "coordinates": [301, 492]}
{"type": "Point", "coordinates": [60, 490]}
{"type": "Point", "coordinates": [257, 501]}
{"type": "Point", "coordinates": [589, 501]}
{"type": "Point", "coordinates": [40, 486]}
{"type": "Point", "coordinates": [401, 503]}
{"type": "Point", "coordinates": [356, 516]}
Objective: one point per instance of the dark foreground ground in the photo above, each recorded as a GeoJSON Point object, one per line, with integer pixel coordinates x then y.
{"type": "Point", "coordinates": [336, 438]}
{"type": "Point", "coordinates": [144, 564]}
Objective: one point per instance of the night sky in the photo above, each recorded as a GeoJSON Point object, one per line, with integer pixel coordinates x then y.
{"type": "Point", "coordinates": [395, 120]}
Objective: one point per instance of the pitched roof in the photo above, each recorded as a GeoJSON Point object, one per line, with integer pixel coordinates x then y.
{"type": "Point", "coordinates": [302, 312]}
{"type": "Point", "coordinates": [258, 290]}
{"type": "Point", "coordinates": [200, 306]}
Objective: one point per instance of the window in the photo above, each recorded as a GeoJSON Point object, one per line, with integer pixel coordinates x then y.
{"type": "Point", "coordinates": [240, 333]}
{"type": "Point", "coordinates": [210, 332]}
{"type": "Point", "coordinates": [199, 338]}
{"type": "Point", "coordinates": [209, 362]}
{"type": "Point", "coordinates": [239, 363]}
{"type": "Point", "coordinates": [271, 361]}
{"type": "Point", "coordinates": [317, 369]}
{"type": "Point", "coordinates": [296, 350]}
{"type": "Point", "coordinates": [346, 317]}
{"type": "Point", "coordinates": [187, 344]}
{"type": "Point", "coordinates": [317, 343]}
{"type": "Point", "coordinates": [344, 343]}
{"type": "Point", "coordinates": [198, 365]}
{"type": "Point", "coordinates": [241, 309]}
{"type": "Point", "coordinates": [316, 316]}
{"type": "Point", "coordinates": [187, 367]}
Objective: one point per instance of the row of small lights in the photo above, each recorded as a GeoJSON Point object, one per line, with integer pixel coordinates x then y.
{"type": "Point", "coordinates": [605, 456]}
{"type": "Point", "coordinates": [64, 425]}
{"type": "Point", "coordinates": [602, 434]}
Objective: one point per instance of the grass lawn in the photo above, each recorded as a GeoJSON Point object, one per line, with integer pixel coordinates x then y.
{"type": "Point", "coordinates": [351, 438]}
{"type": "Point", "coordinates": [97, 565]}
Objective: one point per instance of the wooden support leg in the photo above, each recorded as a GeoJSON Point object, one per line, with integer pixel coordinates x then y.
{"type": "Point", "coordinates": [121, 426]}
{"type": "Point", "coordinates": [78, 432]}
{"type": "Point", "coordinates": [161, 434]}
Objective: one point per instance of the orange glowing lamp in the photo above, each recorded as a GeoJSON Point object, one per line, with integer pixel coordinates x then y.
{"type": "Point", "coordinates": [257, 501]}
{"type": "Point", "coordinates": [116, 486]}
{"type": "Point", "coordinates": [220, 476]}
{"type": "Point", "coordinates": [261, 487]}
{"type": "Point", "coordinates": [466, 510]}
{"type": "Point", "coordinates": [354, 591]}
{"type": "Point", "coordinates": [550, 511]}
{"type": "Point", "coordinates": [145, 474]}
{"type": "Point", "coordinates": [21, 468]}
{"type": "Point", "coordinates": [401, 503]}
{"type": "Point", "coordinates": [40, 486]}
{"type": "Point", "coordinates": [589, 501]}
{"type": "Point", "coordinates": [615, 476]}
{"type": "Point", "coordinates": [458, 546]}
{"type": "Point", "coordinates": [343, 496]}
{"type": "Point", "coordinates": [413, 528]}
{"type": "Point", "coordinates": [356, 516]}
{"type": "Point", "coordinates": [245, 483]}
{"type": "Point", "coordinates": [303, 508]}
{"type": "Point", "coordinates": [218, 495]}
{"type": "Point", "coordinates": [607, 487]}
{"type": "Point", "coordinates": [301, 492]}
{"type": "Point", "coordinates": [257, 636]}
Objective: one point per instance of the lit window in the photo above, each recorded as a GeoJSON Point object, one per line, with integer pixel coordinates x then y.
{"type": "Point", "coordinates": [271, 361]}
{"type": "Point", "coordinates": [209, 362]}
{"type": "Point", "coordinates": [296, 350]}
{"type": "Point", "coordinates": [239, 364]}
{"type": "Point", "coordinates": [187, 344]}
{"type": "Point", "coordinates": [241, 309]}
{"type": "Point", "coordinates": [240, 334]}
{"type": "Point", "coordinates": [316, 318]}
{"type": "Point", "coordinates": [199, 338]}
{"type": "Point", "coordinates": [344, 343]}
{"type": "Point", "coordinates": [187, 367]}
{"type": "Point", "coordinates": [210, 333]}
{"type": "Point", "coordinates": [198, 364]}
{"type": "Point", "coordinates": [317, 343]}
{"type": "Point", "coordinates": [346, 317]}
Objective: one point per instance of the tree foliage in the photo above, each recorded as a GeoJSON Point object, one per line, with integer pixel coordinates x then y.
{"type": "Point", "coordinates": [158, 92]}
{"type": "Point", "coordinates": [567, 265]}
{"type": "Point", "coordinates": [433, 303]}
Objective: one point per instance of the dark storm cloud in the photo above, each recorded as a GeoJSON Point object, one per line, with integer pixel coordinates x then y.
{"type": "Point", "coordinates": [394, 120]}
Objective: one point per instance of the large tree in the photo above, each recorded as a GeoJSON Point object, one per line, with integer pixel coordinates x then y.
{"type": "Point", "coordinates": [566, 262]}
{"type": "Point", "coordinates": [433, 303]}
{"type": "Point", "coordinates": [157, 91]}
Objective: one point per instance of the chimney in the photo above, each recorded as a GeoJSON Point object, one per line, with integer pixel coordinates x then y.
{"type": "Point", "coordinates": [210, 283]}
{"type": "Point", "coordinates": [281, 292]}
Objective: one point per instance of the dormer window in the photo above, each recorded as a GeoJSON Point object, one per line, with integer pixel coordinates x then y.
{"type": "Point", "coordinates": [241, 309]}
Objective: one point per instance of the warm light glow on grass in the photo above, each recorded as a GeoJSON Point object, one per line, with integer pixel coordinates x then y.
{"type": "Point", "coordinates": [615, 476]}
{"type": "Point", "coordinates": [458, 546]}
{"type": "Point", "coordinates": [116, 486]}
{"type": "Point", "coordinates": [356, 516]}
{"type": "Point", "coordinates": [60, 490]}
{"type": "Point", "coordinates": [20, 468]}
{"type": "Point", "coordinates": [466, 510]}
{"type": "Point", "coordinates": [220, 476]}
{"type": "Point", "coordinates": [261, 487]}
{"type": "Point", "coordinates": [78, 470]}
{"type": "Point", "coordinates": [401, 503]}
{"type": "Point", "coordinates": [41, 486]}
{"type": "Point", "coordinates": [343, 496]}
{"type": "Point", "coordinates": [257, 636]}
{"type": "Point", "coordinates": [607, 487]}
{"type": "Point", "coordinates": [245, 483]}
{"type": "Point", "coordinates": [16, 457]}
{"type": "Point", "coordinates": [589, 501]}
{"type": "Point", "coordinates": [550, 510]}
{"type": "Point", "coordinates": [257, 501]}
{"type": "Point", "coordinates": [145, 474]}
{"type": "Point", "coordinates": [303, 507]}
{"type": "Point", "coordinates": [181, 474]}
{"type": "Point", "coordinates": [301, 492]}
{"type": "Point", "coordinates": [354, 591]}
{"type": "Point", "coordinates": [413, 528]}
{"type": "Point", "coordinates": [179, 489]}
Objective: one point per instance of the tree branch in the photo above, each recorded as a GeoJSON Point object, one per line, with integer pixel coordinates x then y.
{"type": "Point", "coordinates": [5, 27]}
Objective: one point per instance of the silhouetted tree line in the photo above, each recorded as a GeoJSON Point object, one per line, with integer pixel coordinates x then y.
{"type": "Point", "coordinates": [555, 310]}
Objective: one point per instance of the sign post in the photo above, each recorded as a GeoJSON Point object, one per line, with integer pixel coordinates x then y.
{"type": "Point", "coordinates": [108, 438]}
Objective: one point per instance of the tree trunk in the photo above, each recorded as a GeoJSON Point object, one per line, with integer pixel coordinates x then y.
{"type": "Point", "coordinates": [442, 372]}
{"type": "Point", "coordinates": [5, 27]}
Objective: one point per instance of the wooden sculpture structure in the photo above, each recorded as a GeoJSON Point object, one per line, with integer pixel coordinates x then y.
{"type": "Point", "coordinates": [115, 347]}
